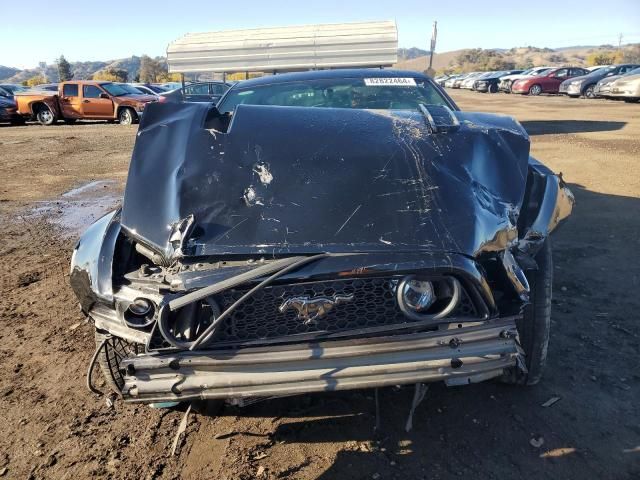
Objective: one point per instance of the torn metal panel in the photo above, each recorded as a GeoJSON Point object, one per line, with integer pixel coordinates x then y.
{"type": "Point", "coordinates": [554, 203]}
{"type": "Point", "coordinates": [348, 180]}
{"type": "Point", "coordinates": [91, 263]}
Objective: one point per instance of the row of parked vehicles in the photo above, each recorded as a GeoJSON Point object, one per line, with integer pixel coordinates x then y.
{"type": "Point", "coordinates": [606, 81]}
{"type": "Point", "coordinates": [96, 100]}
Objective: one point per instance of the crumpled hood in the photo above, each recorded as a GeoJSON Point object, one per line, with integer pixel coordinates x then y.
{"type": "Point", "coordinates": [293, 180]}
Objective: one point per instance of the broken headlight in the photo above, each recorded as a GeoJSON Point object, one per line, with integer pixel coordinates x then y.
{"type": "Point", "coordinates": [427, 299]}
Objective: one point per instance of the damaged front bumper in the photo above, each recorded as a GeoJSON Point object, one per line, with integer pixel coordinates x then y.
{"type": "Point", "coordinates": [459, 355]}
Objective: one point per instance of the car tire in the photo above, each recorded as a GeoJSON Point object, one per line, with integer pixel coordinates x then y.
{"type": "Point", "coordinates": [493, 88]}
{"type": "Point", "coordinates": [535, 90]}
{"type": "Point", "coordinates": [535, 325]}
{"type": "Point", "coordinates": [588, 92]}
{"type": "Point", "coordinates": [114, 351]}
{"type": "Point", "coordinates": [127, 116]}
{"type": "Point", "coordinates": [45, 116]}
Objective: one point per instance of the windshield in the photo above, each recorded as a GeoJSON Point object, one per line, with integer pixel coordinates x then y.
{"type": "Point", "coordinates": [13, 88]}
{"type": "Point", "coordinates": [130, 89]}
{"type": "Point", "coordinates": [541, 72]}
{"type": "Point", "coordinates": [364, 93]}
{"type": "Point", "coordinates": [114, 89]}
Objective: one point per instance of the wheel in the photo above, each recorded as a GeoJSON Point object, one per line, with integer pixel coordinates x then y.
{"type": "Point", "coordinates": [127, 116]}
{"type": "Point", "coordinates": [588, 92]}
{"type": "Point", "coordinates": [45, 116]}
{"type": "Point", "coordinates": [70, 121]}
{"type": "Point", "coordinates": [535, 90]}
{"type": "Point", "coordinates": [111, 355]}
{"type": "Point", "coordinates": [535, 324]}
{"type": "Point", "coordinates": [493, 88]}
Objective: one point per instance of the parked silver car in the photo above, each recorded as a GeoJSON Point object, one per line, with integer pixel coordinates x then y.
{"type": "Point", "coordinates": [603, 87]}
{"type": "Point", "coordinates": [585, 85]}
{"type": "Point", "coordinates": [626, 88]}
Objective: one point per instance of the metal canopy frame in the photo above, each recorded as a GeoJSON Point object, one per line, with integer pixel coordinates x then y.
{"type": "Point", "coordinates": [286, 49]}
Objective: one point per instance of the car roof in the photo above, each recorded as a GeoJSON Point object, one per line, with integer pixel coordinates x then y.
{"type": "Point", "coordinates": [324, 74]}
{"type": "Point", "coordinates": [87, 82]}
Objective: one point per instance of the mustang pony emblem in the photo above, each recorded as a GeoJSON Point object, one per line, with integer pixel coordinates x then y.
{"type": "Point", "coordinates": [310, 309]}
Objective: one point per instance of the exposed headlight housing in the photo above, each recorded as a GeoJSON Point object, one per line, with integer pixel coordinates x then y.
{"type": "Point", "coordinates": [427, 299]}
{"type": "Point", "coordinates": [140, 313]}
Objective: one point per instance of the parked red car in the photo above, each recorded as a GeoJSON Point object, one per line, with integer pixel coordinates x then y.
{"type": "Point", "coordinates": [546, 83]}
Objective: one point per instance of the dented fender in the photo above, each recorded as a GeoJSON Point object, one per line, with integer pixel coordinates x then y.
{"type": "Point", "coordinates": [92, 261]}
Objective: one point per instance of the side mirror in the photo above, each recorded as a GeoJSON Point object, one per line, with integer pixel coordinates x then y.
{"type": "Point", "coordinates": [105, 96]}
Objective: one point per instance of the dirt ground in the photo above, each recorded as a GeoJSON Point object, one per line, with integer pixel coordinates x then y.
{"type": "Point", "coordinates": [52, 427]}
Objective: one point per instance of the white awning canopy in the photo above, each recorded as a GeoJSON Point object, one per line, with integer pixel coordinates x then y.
{"type": "Point", "coordinates": [286, 49]}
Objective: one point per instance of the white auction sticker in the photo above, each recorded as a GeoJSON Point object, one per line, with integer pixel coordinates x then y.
{"type": "Point", "coordinates": [392, 81]}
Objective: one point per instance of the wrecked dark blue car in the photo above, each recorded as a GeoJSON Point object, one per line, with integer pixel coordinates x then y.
{"type": "Point", "coordinates": [322, 231]}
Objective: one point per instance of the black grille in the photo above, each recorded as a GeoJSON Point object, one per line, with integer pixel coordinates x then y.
{"type": "Point", "coordinates": [259, 318]}
{"type": "Point", "coordinates": [373, 305]}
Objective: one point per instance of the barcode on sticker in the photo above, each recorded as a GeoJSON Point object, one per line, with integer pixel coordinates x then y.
{"type": "Point", "coordinates": [393, 82]}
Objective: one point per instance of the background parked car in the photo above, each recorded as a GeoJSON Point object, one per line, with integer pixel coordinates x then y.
{"type": "Point", "coordinates": [84, 99]}
{"type": "Point", "coordinates": [169, 86]}
{"type": "Point", "coordinates": [627, 88]}
{"type": "Point", "coordinates": [197, 92]}
{"type": "Point", "coordinates": [9, 111]}
{"type": "Point", "coordinates": [585, 85]}
{"type": "Point", "coordinates": [49, 87]}
{"type": "Point", "coordinates": [504, 85]}
{"type": "Point", "coordinates": [603, 87]}
{"type": "Point", "coordinates": [440, 79]}
{"type": "Point", "coordinates": [548, 82]}
{"type": "Point", "coordinates": [143, 89]}
{"type": "Point", "coordinates": [8, 90]}
{"type": "Point", "coordinates": [489, 83]}
{"type": "Point", "coordinates": [468, 82]}
{"type": "Point", "coordinates": [131, 90]}
{"type": "Point", "coordinates": [156, 89]}
{"type": "Point", "coordinates": [450, 81]}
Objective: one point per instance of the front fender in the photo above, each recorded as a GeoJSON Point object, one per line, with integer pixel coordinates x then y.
{"type": "Point", "coordinates": [92, 262]}
{"type": "Point", "coordinates": [548, 201]}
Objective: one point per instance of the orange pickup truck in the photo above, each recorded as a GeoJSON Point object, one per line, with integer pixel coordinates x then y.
{"type": "Point", "coordinates": [77, 100]}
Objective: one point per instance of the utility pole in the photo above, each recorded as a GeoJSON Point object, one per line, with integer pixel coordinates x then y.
{"type": "Point", "coordinates": [619, 41]}
{"type": "Point", "coordinates": [434, 35]}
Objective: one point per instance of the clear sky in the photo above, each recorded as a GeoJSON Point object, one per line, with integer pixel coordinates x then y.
{"type": "Point", "coordinates": [41, 30]}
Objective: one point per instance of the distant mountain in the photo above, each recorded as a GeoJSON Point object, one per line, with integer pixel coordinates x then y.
{"type": "Point", "coordinates": [409, 53]}
{"type": "Point", "coordinates": [81, 70]}
{"type": "Point", "coordinates": [502, 59]}
{"type": "Point", "coordinates": [6, 72]}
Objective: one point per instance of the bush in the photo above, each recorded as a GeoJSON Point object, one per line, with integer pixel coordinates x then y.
{"type": "Point", "coordinates": [37, 80]}
{"type": "Point", "coordinates": [111, 75]}
{"type": "Point", "coordinates": [604, 58]}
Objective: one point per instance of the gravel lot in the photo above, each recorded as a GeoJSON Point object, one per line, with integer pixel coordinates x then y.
{"type": "Point", "coordinates": [54, 428]}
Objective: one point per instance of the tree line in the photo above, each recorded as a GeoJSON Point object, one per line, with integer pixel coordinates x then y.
{"type": "Point", "coordinates": [150, 71]}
